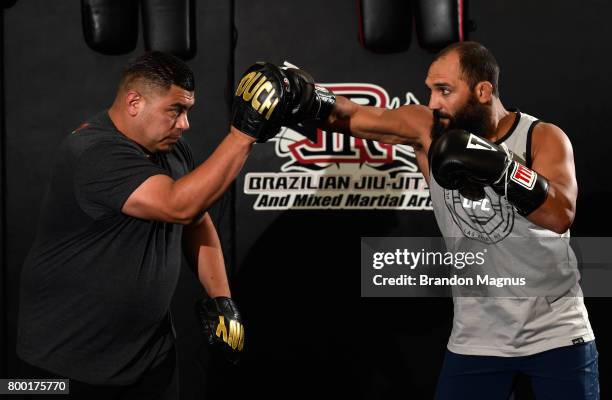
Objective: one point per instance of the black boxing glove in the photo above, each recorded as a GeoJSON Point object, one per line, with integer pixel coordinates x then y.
{"type": "Point", "coordinates": [474, 191]}
{"type": "Point", "coordinates": [260, 101]}
{"type": "Point", "coordinates": [464, 161]}
{"type": "Point", "coordinates": [309, 103]}
{"type": "Point", "coordinates": [222, 326]}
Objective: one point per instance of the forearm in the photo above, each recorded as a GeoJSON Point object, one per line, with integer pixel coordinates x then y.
{"type": "Point", "coordinates": [557, 212]}
{"type": "Point", "coordinates": [204, 252]}
{"type": "Point", "coordinates": [360, 121]}
{"type": "Point", "coordinates": [341, 115]}
{"type": "Point", "coordinates": [407, 125]}
{"type": "Point", "coordinates": [212, 273]}
{"type": "Point", "coordinates": [199, 189]}
{"type": "Point", "coordinates": [545, 202]}
{"type": "Point", "coordinates": [553, 158]}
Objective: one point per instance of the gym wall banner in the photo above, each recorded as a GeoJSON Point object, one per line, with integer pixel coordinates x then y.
{"type": "Point", "coordinates": [341, 172]}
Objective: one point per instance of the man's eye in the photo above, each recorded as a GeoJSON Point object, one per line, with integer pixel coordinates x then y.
{"type": "Point", "coordinates": [445, 92]}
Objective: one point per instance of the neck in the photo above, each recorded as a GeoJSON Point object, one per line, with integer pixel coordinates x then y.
{"type": "Point", "coordinates": [121, 121]}
{"type": "Point", "coordinates": [501, 119]}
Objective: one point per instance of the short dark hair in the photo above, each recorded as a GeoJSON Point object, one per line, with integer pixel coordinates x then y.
{"type": "Point", "coordinates": [158, 69]}
{"type": "Point", "coordinates": [477, 63]}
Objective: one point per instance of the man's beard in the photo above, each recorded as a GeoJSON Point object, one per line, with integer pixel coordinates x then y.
{"type": "Point", "coordinates": [473, 117]}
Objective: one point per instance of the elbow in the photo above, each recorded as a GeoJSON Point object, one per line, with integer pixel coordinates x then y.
{"type": "Point", "coordinates": [184, 208]}
{"type": "Point", "coordinates": [184, 219]}
{"type": "Point", "coordinates": [182, 214]}
{"type": "Point", "coordinates": [563, 222]}
{"type": "Point", "coordinates": [186, 216]}
{"type": "Point", "coordinates": [560, 229]}
{"type": "Point", "coordinates": [181, 208]}
{"type": "Point", "coordinates": [174, 216]}
{"type": "Point", "coordinates": [558, 211]}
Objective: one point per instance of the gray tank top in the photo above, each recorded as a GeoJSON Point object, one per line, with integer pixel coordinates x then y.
{"type": "Point", "coordinates": [512, 326]}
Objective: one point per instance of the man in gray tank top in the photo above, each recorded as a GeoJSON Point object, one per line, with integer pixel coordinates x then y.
{"type": "Point", "coordinates": [501, 178]}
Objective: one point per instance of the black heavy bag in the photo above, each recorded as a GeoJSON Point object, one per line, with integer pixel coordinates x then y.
{"type": "Point", "coordinates": [168, 26]}
{"type": "Point", "coordinates": [385, 26]}
{"type": "Point", "coordinates": [438, 23]}
{"type": "Point", "coordinates": [7, 3]}
{"type": "Point", "coordinates": [110, 26]}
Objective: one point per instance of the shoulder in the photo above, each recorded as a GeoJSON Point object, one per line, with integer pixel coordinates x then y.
{"type": "Point", "coordinates": [550, 144]}
{"type": "Point", "coordinates": [94, 139]}
{"type": "Point", "coordinates": [547, 135]}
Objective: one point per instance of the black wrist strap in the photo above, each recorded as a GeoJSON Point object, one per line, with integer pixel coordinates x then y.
{"type": "Point", "coordinates": [325, 101]}
{"type": "Point", "coordinates": [525, 189]}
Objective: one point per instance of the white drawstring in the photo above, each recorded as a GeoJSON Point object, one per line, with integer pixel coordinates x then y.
{"type": "Point", "coordinates": [287, 65]}
{"type": "Point", "coordinates": [504, 175]}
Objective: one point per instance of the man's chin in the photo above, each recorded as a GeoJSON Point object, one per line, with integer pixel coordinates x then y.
{"type": "Point", "coordinates": [444, 122]}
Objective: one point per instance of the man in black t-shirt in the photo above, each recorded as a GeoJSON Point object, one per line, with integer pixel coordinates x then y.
{"type": "Point", "coordinates": [124, 200]}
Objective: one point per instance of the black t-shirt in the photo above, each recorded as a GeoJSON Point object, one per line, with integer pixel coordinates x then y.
{"type": "Point", "coordinates": [96, 285]}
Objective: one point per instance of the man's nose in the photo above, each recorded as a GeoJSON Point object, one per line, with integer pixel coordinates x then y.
{"type": "Point", "coordinates": [182, 122]}
{"type": "Point", "coordinates": [434, 102]}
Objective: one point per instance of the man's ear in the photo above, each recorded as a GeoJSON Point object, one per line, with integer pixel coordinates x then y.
{"type": "Point", "coordinates": [484, 92]}
{"type": "Point", "coordinates": [133, 102]}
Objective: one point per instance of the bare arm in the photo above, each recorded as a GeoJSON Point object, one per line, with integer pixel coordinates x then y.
{"type": "Point", "coordinates": [410, 124]}
{"type": "Point", "coordinates": [163, 199]}
{"type": "Point", "coordinates": [553, 158]}
{"type": "Point", "coordinates": [203, 250]}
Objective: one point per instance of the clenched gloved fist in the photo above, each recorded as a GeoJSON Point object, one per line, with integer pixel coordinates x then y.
{"type": "Point", "coordinates": [222, 326]}
{"type": "Point", "coordinates": [309, 102]}
{"type": "Point", "coordinates": [261, 101]}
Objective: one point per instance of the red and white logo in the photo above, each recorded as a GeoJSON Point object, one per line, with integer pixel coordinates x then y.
{"type": "Point", "coordinates": [523, 176]}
